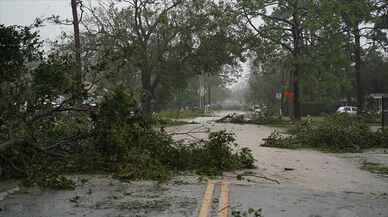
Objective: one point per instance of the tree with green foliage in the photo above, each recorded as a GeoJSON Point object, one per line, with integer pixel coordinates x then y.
{"type": "Point", "coordinates": [322, 39]}
{"type": "Point", "coordinates": [265, 81]}
{"type": "Point", "coordinates": [168, 42]}
{"type": "Point", "coordinates": [362, 25]}
{"type": "Point", "coordinates": [20, 51]}
{"type": "Point", "coordinates": [376, 67]}
{"type": "Point", "coordinates": [288, 26]}
{"type": "Point", "coordinates": [32, 85]}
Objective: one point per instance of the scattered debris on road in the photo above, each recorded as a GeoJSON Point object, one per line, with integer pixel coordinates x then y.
{"type": "Point", "coordinates": [236, 119]}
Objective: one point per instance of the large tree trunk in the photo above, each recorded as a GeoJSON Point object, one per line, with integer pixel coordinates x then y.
{"type": "Point", "coordinates": [282, 107]}
{"type": "Point", "coordinates": [358, 63]}
{"type": "Point", "coordinates": [147, 95]}
{"type": "Point", "coordinates": [297, 57]}
{"type": "Point", "coordinates": [77, 46]}
{"type": "Point", "coordinates": [209, 92]}
{"type": "Point", "coordinates": [290, 101]}
{"type": "Point", "coordinates": [297, 111]}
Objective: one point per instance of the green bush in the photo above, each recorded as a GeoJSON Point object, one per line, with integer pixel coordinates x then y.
{"type": "Point", "coordinates": [375, 168]}
{"type": "Point", "coordinates": [337, 133]}
{"type": "Point", "coordinates": [276, 140]}
{"type": "Point", "coordinates": [34, 167]}
{"type": "Point", "coordinates": [50, 180]}
{"type": "Point", "coordinates": [222, 153]}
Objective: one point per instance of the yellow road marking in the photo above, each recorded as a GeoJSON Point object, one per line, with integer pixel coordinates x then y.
{"type": "Point", "coordinates": [207, 199]}
{"type": "Point", "coordinates": [223, 206]}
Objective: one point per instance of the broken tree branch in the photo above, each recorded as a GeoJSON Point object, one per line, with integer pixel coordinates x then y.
{"type": "Point", "coordinates": [5, 145]}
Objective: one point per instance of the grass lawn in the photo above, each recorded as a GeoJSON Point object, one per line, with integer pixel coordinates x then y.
{"type": "Point", "coordinates": [286, 122]}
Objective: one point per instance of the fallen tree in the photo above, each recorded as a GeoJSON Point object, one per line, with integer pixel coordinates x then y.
{"type": "Point", "coordinates": [48, 129]}
{"type": "Point", "coordinates": [7, 144]}
{"type": "Point", "coordinates": [116, 141]}
{"type": "Point", "coordinates": [337, 133]}
{"type": "Point", "coordinates": [235, 118]}
{"type": "Point", "coordinates": [251, 118]}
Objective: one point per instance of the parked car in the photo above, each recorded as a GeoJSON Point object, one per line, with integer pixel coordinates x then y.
{"type": "Point", "coordinates": [347, 109]}
{"type": "Point", "coordinates": [256, 109]}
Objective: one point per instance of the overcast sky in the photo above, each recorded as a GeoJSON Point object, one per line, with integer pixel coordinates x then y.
{"type": "Point", "coordinates": [24, 12]}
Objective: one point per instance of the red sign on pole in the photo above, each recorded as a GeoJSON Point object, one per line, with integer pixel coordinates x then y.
{"type": "Point", "coordinates": [289, 94]}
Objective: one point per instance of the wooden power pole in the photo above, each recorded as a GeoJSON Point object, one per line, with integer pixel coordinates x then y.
{"type": "Point", "coordinates": [77, 46]}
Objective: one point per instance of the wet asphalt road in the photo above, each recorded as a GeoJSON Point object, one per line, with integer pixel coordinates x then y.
{"type": "Point", "coordinates": [105, 197]}
{"type": "Point", "coordinates": [102, 196]}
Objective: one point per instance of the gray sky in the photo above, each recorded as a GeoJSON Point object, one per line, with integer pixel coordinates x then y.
{"type": "Point", "coordinates": [24, 12]}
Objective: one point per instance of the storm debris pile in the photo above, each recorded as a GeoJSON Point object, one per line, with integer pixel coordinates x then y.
{"type": "Point", "coordinates": [337, 133]}
{"type": "Point", "coordinates": [260, 118]}
{"type": "Point", "coordinates": [113, 139]}
{"type": "Point", "coordinates": [236, 119]}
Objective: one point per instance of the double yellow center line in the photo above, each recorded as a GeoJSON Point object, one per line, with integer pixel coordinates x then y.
{"type": "Point", "coordinates": [223, 206]}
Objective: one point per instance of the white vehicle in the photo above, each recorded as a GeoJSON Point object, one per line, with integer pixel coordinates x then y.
{"type": "Point", "coordinates": [256, 109]}
{"type": "Point", "coordinates": [347, 109]}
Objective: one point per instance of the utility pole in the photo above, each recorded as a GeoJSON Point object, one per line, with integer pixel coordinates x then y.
{"type": "Point", "coordinates": [358, 62]}
{"type": "Point", "coordinates": [77, 46]}
{"type": "Point", "coordinates": [384, 111]}
{"type": "Point", "coordinates": [282, 89]}
{"type": "Point", "coordinates": [201, 91]}
{"type": "Point", "coordinates": [209, 87]}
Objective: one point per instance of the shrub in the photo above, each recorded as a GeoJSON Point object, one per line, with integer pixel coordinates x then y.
{"type": "Point", "coordinates": [338, 133]}
{"type": "Point", "coordinates": [34, 167]}
{"type": "Point", "coordinates": [375, 168]}
{"type": "Point", "coordinates": [49, 180]}
{"type": "Point", "coordinates": [276, 140]}
{"type": "Point", "coordinates": [265, 118]}
{"type": "Point", "coordinates": [223, 153]}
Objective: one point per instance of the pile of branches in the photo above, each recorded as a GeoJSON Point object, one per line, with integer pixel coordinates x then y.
{"type": "Point", "coordinates": [36, 146]}
{"type": "Point", "coordinates": [235, 119]}
{"type": "Point", "coordinates": [262, 118]}
{"type": "Point", "coordinates": [111, 138]}
{"type": "Point", "coordinates": [337, 133]}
